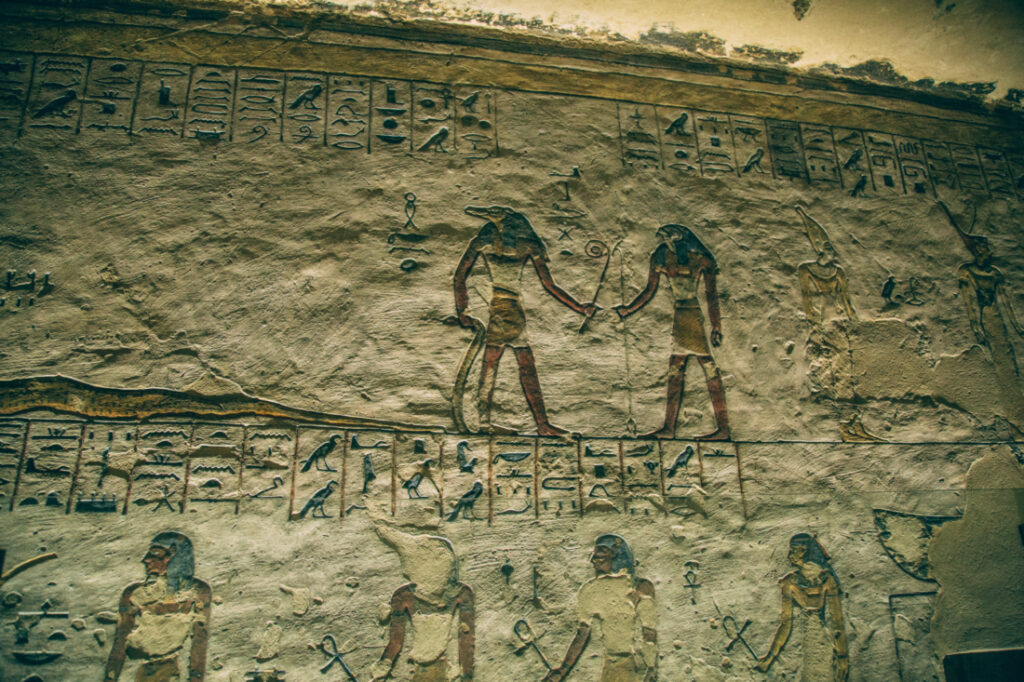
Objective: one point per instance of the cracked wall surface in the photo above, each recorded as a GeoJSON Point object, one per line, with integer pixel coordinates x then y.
{"type": "Point", "coordinates": [330, 348]}
{"type": "Point", "coordinates": [964, 45]}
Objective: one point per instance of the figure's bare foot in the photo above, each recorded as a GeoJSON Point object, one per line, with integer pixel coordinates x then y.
{"type": "Point", "coordinates": [551, 431]}
{"type": "Point", "coordinates": [718, 434]}
{"type": "Point", "coordinates": [664, 433]}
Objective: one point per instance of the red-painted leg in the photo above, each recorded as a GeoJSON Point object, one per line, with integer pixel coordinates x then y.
{"type": "Point", "coordinates": [673, 397]}
{"type": "Point", "coordinates": [531, 388]}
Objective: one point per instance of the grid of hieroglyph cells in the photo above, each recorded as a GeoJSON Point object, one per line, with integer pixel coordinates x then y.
{"type": "Point", "coordinates": [309, 471]}
{"type": "Point", "coordinates": [55, 95]}
{"type": "Point", "coordinates": [683, 141]}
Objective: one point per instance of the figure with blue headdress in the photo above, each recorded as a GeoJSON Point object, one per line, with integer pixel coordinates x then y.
{"type": "Point", "coordinates": [158, 617]}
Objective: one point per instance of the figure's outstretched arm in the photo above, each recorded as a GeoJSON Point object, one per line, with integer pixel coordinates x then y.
{"type": "Point", "coordinates": [200, 630]}
{"type": "Point", "coordinates": [782, 633]}
{"type": "Point", "coordinates": [834, 614]}
{"type": "Point", "coordinates": [459, 282]}
{"type": "Point", "coordinates": [647, 612]}
{"type": "Point", "coordinates": [814, 316]}
{"type": "Point", "coordinates": [125, 622]}
{"type": "Point", "coordinates": [844, 294]}
{"type": "Point", "coordinates": [560, 294]}
{"type": "Point", "coordinates": [467, 633]}
{"type": "Point", "coordinates": [572, 654]}
{"type": "Point", "coordinates": [644, 296]}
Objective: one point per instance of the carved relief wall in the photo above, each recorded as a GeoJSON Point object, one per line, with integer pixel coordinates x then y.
{"type": "Point", "coordinates": [359, 358]}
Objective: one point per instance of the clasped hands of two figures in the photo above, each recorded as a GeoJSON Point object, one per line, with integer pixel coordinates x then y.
{"type": "Point", "coordinates": [589, 310]}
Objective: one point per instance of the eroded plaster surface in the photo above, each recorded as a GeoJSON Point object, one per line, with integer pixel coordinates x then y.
{"type": "Point", "coordinates": [965, 42]}
{"type": "Point", "coordinates": [964, 562]}
{"type": "Point", "coordinates": [341, 352]}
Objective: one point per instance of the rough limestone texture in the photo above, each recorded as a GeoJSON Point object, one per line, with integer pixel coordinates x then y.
{"type": "Point", "coordinates": [958, 550]}
{"type": "Point", "coordinates": [266, 449]}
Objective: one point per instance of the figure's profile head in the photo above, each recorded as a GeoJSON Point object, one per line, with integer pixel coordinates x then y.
{"type": "Point", "coordinates": [684, 242]}
{"type": "Point", "coordinates": [804, 548]}
{"type": "Point", "coordinates": [170, 553]}
{"type": "Point", "coordinates": [819, 239]}
{"type": "Point", "coordinates": [827, 254]}
{"type": "Point", "coordinates": [428, 561]}
{"type": "Point", "coordinates": [612, 555]}
{"type": "Point", "coordinates": [508, 229]}
{"type": "Point", "coordinates": [979, 248]}
{"type": "Point", "coordinates": [156, 560]}
{"type": "Point", "coordinates": [977, 244]}
{"type": "Point", "coordinates": [494, 214]}
{"type": "Point", "coordinates": [672, 232]}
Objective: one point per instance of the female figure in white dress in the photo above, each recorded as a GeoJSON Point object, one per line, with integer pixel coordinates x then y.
{"type": "Point", "coordinates": [814, 589]}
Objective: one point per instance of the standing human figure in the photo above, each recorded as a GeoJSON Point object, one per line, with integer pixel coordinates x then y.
{"type": "Point", "coordinates": [983, 290]}
{"type": "Point", "coordinates": [813, 588]}
{"type": "Point", "coordinates": [158, 616]}
{"type": "Point", "coordinates": [506, 243]}
{"type": "Point", "coordinates": [625, 607]}
{"type": "Point", "coordinates": [830, 314]}
{"type": "Point", "coordinates": [430, 611]}
{"type": "Point", "coordinates": [684, 262]}
{"type": "Point", "coordinates": [823, 280]}
{"type": "Point", "coordinates": [991, 317]}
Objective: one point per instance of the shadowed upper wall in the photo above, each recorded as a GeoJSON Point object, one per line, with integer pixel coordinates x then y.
{"type": "Point", "coordinates": [946, 41]}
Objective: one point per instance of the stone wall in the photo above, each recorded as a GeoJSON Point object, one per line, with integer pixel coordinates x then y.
{"type": "Point", "coordinates": [746, 334]}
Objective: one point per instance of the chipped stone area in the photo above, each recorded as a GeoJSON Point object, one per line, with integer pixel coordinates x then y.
{"type": "Point", "coordinates": [759, 34]}
{"type": "Point", "coordinates": [801, 8]}
{"type": "Point", "coordinates": [698, 42]}
{"type": "Point", "coordinates": [764, 54]}
{"type": "Point", "coordinates": [883, 71]}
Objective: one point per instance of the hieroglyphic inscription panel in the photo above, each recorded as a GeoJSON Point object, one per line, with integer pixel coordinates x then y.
{"type": "Point", "coordinates": [48, 95]}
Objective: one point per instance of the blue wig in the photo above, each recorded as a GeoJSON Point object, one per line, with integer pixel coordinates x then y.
{"type": "Point", "coordinates": [182, 565]}
{"type": "Point", "coordinates": [623, 558]}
